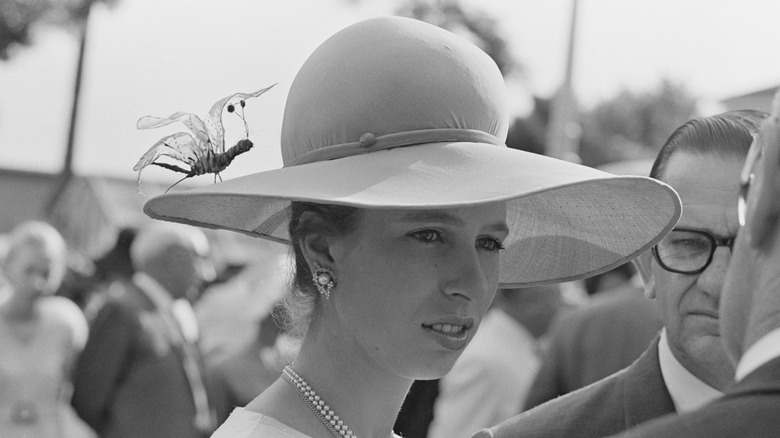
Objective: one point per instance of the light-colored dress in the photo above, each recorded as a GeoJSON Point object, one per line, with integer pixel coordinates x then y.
{"type": "Point", "coordinates": [34, 387]}
{"type": "Point", "coordinates": [247, 424]}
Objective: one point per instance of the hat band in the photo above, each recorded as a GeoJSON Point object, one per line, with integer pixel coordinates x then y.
{"type": "Point", "coordinates": [370, 143]}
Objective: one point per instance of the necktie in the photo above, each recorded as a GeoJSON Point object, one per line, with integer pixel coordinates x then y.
{"type": "Point", "coordinates": [186, 327]}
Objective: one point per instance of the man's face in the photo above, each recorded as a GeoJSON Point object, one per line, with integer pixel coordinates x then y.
{"type": "Point", "coordinates": [688, 303]}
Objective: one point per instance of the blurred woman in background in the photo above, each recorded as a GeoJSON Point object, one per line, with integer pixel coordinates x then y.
{"type": "Point", "coordinates": [41, 335]}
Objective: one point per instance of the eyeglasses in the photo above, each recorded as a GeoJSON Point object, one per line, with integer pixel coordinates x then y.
{"type": "Point", "coordinates": [746, 178]}
{"type": "Point", "coordinates": [687, 251]}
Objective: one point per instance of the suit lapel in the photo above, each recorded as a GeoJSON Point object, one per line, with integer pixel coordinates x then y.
{"type": "Point", "coordinates": [645, 394]}
{"type": "Point", "coordinates": [764, 380]}
{"type": "Point", "coordinates": [189, 356]}
{"type": "Point", "coordinates": [161, 307]}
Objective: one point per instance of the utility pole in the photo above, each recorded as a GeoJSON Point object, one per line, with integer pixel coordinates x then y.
{"type": "Point", "coordinates": [67, 168]}
{"type": "Point", "coordinates": [66, 173]}
{"type": "Point", "coordinates": [563, 131]}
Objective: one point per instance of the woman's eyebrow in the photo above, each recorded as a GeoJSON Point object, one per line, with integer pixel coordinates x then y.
{"type": "Point", "coordinates": [446, 218]}
{"type": "Point", "coordinates": [431, 216]}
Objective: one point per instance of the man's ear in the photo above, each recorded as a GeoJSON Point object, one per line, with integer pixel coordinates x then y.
{"type": "Point", "coordinates": [644, 265]}
{"type": "Point", "coordinates": [764, 196]}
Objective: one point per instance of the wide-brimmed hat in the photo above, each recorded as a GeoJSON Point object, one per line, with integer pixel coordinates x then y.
{"type": "Point", "coordinates": [399, 114]}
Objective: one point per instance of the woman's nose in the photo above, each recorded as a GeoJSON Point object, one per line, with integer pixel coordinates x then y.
{"type": "Point", "coordinates": [467, 276]}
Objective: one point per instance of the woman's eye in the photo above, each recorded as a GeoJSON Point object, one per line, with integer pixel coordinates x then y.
{"type": "Point", "coordinates": [427, 236]}
{"type": "Point", "coordinates": [490, 244]}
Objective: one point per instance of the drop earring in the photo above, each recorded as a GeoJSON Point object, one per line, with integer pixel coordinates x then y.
{"type": "Point", "coordinates": [324, 279]}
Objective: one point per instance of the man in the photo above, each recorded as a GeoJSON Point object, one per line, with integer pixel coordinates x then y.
{"type": "Point", "coordinates": [685, 367]}
{"type": "Point", "coordinates": [750, 311]}
{"type": "Point", "coordinates": [490, 380]}
{"type": "Point", "coordinates": [140, 374]}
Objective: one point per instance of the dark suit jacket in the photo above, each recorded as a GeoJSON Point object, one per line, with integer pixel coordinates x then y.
{"type": "Point", "coordinates": [130, 379]}
{"type": "Point", "coordinates": [629, 397]}
{"type": "Point", "coordinates": [749, 409]}
{"type": "Point", "coordinates": [592, 342]}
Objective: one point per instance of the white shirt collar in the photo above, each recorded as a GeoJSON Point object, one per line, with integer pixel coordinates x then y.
{"type": "Point", "coordinates": [153, 289]}
{"type": "Point", "coordinates": [688, 392]}
{"type": "Point", "coordinates": [761, 352]}
{"type": "Point", "coordinates": [180, 308]}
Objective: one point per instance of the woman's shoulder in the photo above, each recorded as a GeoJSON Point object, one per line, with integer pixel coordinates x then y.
{"type": "Point", "coordinates": [244, 423]}
{"type": "Point", "coordinates": [64, 314]}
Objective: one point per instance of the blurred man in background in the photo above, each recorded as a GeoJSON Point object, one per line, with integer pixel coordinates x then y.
{"type": "Point", "coordinates": [603, 336]}
{"type": "Point", "coordinates": [141, 373]}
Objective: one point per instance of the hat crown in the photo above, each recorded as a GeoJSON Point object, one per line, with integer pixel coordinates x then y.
{"type": "Point", "coordinates": [391, 75]}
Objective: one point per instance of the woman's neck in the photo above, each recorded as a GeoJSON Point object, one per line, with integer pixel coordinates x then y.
{"type": "Point", "coordinates": [357, 390]}
{"type": "Point", "coordinates": [18, 308]}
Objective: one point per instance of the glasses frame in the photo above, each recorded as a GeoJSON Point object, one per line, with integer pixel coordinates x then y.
{"type": "Point", "coordinates": [715, 241]}
{"type": "Point", "coordinates": [746, 179]}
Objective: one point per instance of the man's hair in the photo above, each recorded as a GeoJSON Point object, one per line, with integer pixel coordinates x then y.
{"type": "Point", "coordinates": [153, 240]}
{"type": "Point", "coordinates": [725, 134]}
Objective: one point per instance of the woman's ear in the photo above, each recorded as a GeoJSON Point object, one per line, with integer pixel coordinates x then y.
{"type": "Point", "coordinates": [315, 246]}
{"type": "Point", "coordinates": [764, 196]}
{"type": "Point", "coordinates": [644, 266]}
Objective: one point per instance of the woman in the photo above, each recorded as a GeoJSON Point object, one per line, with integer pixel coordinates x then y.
{"type": "Point", "coordinates": [40, 337]}
{"type": "Point", "coordinates": [405, 210]}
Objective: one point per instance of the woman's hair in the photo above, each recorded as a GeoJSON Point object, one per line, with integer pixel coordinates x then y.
{"type": "Point", "coordinates": [726, 134]}
{"type": "Point", "coordinates": [327, 220]}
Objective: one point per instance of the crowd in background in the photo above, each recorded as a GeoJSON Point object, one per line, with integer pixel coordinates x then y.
{"type": "Point", "coordinates": [154, 340]}
{"type": "Point", "coordinates": [235, 361]}
{"type": "Point", "coordinates": [149, 347]}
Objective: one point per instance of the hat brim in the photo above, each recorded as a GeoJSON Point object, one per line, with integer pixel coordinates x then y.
{"type": "Point", "coordinates": [566, 221]}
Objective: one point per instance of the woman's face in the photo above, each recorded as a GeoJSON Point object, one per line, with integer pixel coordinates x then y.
{"type": "Point", "coordinates": [413, 285]}
{"type": "Point", "coordinates": [32, 270]}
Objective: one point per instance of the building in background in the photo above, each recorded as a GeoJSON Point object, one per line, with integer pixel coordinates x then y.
{"type": "Point", "coordinates": [757, 100]}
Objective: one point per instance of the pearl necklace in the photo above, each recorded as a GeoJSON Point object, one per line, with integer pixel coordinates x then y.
{"type": "Point", "coordinates": [329, 418]}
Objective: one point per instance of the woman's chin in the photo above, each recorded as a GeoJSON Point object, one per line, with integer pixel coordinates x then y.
{"type": "Point", "coordinates": [435, 369]}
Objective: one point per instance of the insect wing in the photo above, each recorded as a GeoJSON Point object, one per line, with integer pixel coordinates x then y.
{"type": "Point", "coordinates": [180, 146]}
{"type": "Point", "coordinates": [214, 120]}
{"type": "Point", "coordinates": [191, 121]}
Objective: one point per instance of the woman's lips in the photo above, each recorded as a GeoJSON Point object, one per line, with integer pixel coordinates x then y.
{"type": "Point", "coordinates": [450, 335]}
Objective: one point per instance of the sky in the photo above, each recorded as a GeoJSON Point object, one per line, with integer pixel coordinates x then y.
{"type": "Point", "coordinates": [152, 57]}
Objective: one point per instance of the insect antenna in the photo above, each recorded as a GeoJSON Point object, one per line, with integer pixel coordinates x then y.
{"type": "Point", "coordinates": [232, 109]}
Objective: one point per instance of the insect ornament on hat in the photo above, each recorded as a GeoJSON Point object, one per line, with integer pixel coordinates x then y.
{"type": "Point", "coordinates": [203, 148]}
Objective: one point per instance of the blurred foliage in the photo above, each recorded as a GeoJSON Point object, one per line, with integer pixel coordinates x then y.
{"type": "Point", "coordinates": [529, 133]}
{"type": "Point", "coordinates": [473, 24]}
{"type": "Point", "coordinates": [19, 18]}
{"type": "Point", "coordinates": [634, 125]}
{"type": "Point", "coordinates": [628, 126]}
